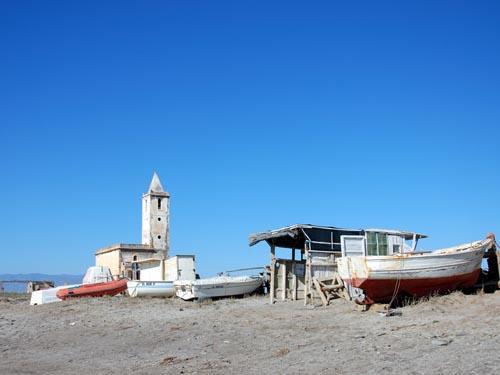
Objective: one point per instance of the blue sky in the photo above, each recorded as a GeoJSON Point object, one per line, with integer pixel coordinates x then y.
{"type": "Point", "coordinates": [255, 115]}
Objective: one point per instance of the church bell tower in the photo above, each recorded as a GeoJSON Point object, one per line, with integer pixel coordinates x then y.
{"type": "Point", "coordinates": [156, 217]}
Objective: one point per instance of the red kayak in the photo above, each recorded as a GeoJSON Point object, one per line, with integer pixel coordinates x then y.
{"type": "Point", "coordinates": [109, 288]}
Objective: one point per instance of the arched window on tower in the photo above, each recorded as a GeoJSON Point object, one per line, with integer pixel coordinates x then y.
{"type": "Point", "coordinates": [159, 203]}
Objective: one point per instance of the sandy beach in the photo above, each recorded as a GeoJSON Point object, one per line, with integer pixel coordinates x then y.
{"type": "Point", "coordinates": [449, 334]}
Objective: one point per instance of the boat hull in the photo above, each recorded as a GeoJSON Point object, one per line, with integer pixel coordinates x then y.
{"type": "Point", "coordinates": [381, 278]}
{"type": "Point", "coordinates": [216, 287]}
{"type": "Point", "coordinates": [381, 290]}
{"type": "Point", "coordinates": [150, 289]}
{"type": "Point", "coordinates": [40, 297]}
{"type": "Point", "coordinates": [109, 288]}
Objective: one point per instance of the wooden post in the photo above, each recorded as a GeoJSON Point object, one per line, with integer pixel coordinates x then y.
{"type": "Point", "coordinates": [273, 274]}
{"type": "Point", "coordinates": [307, 285]}
{"type": "Point", "coordinates": [294, 277]}
{"type": "Point", "coordinates": [283, 281]}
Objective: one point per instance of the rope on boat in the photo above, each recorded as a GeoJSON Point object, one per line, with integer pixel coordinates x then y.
{"type": "Point", "coordinates": [398, 284]}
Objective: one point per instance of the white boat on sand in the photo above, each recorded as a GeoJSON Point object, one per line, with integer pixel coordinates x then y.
{"type": "Point", "coordinates": [94, 274]}
{"type": "Point", "coordinates": [220, 286]}
{"type": "Point", "coordinates": [40, 297]}
{"type": "Point", "coordinates": [150, 288]}
{"type": "Point", "coordinates": [381, 278]}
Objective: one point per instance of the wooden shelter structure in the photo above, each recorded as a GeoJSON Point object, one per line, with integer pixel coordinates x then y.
{"type": "Point", "coordinates": [318, 246]}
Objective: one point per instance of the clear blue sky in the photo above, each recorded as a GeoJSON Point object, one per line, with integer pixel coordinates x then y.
{"type": "Point", "coordinates": [256, 115]}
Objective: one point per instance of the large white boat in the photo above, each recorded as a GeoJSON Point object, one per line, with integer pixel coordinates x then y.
{"type": "Point", "coordinates": [220, 286]}
{"type": "Point", "coordinates": [150, 288]}
{"type": "Point", "coordinates": [380, 278]}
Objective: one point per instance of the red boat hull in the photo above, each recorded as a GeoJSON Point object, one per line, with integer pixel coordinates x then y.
{"type": "Point", "coordinates": [381, 290]}
{"type": "Point", "coordinates": [109, 288]}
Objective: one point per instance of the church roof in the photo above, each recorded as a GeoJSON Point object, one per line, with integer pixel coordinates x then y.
{"type": "Point", "coordinates": [155, 186]}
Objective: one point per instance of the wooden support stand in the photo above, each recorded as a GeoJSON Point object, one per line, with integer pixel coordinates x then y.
{"type": "Point", "coordinates": [330, 288]}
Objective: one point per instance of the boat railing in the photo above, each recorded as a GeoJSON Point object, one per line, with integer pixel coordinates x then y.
{"type": "Point", "coordinates": [245, 271]}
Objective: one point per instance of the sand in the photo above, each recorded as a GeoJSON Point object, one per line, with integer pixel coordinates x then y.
{"type": "Point", "coordinates": [454, 334]}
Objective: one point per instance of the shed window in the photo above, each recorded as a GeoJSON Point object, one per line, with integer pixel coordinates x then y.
{"type": "Point", "coordinates": [376, 243]}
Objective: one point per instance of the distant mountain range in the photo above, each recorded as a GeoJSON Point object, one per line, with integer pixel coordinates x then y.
{"type": "Point", "coordinates": [21, 287]}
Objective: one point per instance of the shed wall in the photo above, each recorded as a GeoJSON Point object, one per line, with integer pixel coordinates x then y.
{"type": "Point", "coordinates": [289, 279]}
{"type": "Point", "coordinates": [151, 271]}
{"type": "Point", "coordinates": [180, 268]}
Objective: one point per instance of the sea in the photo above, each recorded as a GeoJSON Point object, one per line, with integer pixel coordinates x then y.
{"type": "Point", "coordinates": [6, 280]}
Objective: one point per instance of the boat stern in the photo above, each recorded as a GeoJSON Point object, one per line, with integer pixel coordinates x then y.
{"type": "Point", "coordinates": [184, 290]}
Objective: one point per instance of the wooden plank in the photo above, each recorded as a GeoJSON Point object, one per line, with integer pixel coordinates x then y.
{"type": "Point", "coordinates": [332, 287]}
{"type": "Point", "coordinates": [307, 279]}
{"type": "Point", "coordinates": [294, 286]}
{"type": "Point", "coordinates": [323, 263]}
{"type": "Point", "coordinates": [320, 292]}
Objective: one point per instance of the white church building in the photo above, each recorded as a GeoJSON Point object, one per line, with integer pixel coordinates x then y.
{"type": "Point", "coordinates": [155, 235]}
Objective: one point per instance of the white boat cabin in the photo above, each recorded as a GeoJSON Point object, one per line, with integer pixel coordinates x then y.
{"type": "Point", "coordinates": [379, 242]}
